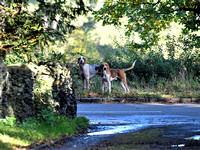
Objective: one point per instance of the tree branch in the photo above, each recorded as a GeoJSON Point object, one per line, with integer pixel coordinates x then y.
{"type": "Point", "coordinates": [153, 4]}
{"type": "Point", "coordinates": [196, 10]}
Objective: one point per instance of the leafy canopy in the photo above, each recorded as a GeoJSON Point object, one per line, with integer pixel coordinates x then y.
{"type": "Point", "coordinates": [22, 29]}
{"type": "Point", "coordinates": [149, 17]}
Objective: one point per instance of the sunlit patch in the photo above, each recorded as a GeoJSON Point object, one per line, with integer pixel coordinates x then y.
{"type": "Point", "coordinates": [13, 141]}
{"type": "Point", "coordinates": [195, 137]}
{"type": "Point", "coordinates": [117, 129]}
{"type": "Point", "coordinates": [179, 145]}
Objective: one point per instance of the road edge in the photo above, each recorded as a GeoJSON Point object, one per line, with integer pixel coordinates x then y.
{"type": "Point", "coordinates": [138, 100]}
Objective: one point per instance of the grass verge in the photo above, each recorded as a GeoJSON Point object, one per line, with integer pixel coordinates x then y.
{"type": "Point", "coordinates": [156, 88]}
{"type": "Point", "coordinates": [14, 135]}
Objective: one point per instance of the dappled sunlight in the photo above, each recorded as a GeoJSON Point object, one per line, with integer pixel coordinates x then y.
{"type": "Point", "coordinates": [13, 141]}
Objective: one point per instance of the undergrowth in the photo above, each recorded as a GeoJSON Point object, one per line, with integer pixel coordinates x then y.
{"type": "Point", "coordinates": [171, 72]}
{"type": "Point", "coordinates": [43, 128]}
{"type": "Point", "coordinates": [178, 86]}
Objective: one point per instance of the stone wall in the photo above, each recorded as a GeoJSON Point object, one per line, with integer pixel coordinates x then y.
{"type": "Point", "coordinates": [62, 89]}
{"type": "Point", "coordinates": [20, 97]}
{"type": "Point", "coordinates": [4, 87]}
{"type": "Point", "coordinates": [27, 89]}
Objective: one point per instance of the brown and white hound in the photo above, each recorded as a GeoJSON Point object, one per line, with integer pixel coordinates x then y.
{"type": "Point", "coordinates": [86, 71]}
{"type": "Point", "coordinates": [109, 75]}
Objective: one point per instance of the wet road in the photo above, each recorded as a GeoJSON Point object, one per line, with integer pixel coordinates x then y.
{"type": "Point", "coordinates": [140, 113]}
{"type": "Point", "coordinates": [110, 119]}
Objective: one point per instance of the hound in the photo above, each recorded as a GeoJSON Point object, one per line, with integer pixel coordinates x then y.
{"type": "Point", "coordinates": [86, 71]}
{"type": "Point", "coordinates": [109, 75]}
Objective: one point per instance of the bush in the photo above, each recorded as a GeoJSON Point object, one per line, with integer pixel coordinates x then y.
{"type": "Point", "coordinates": [180, 57]}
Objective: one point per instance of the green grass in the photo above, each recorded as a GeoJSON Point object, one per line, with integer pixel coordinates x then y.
{"type": "Point", "coordinates": [173, 88]}
{"type": "Point", "coordinates": [31, 131]}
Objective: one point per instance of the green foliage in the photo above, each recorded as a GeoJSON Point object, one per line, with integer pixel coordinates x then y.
{"type": "Point", "coordinates": [180, 56]}
{"type": "Point", "coordinates": [9, 121]}
{"type": "Point", "coordinates": [38, 129]}
{"type": "Point", "coordinates": [149, 18]}
{"type": "Point", "coordinates": [172, 71]}
{"type": "Point", "coordinates": [79, 42]}
{"type": "Point", "coordinates": [24, 30]}
{"type": "Point", "coordinates": [43, 95]}
{"type": "Point", "coordinates": [47, 116]}
{"type": "Point", "coordinates": [82, 123]}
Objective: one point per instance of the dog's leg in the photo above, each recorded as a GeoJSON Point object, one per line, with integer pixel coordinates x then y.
{"type": "Point", "coordinates": [125, 83]}
{"type": "Point", "coordinates": [87, 84]}
{"type": "Point", "coordinates": [84, 84]}
{"type": "Point", "coordinates": [128, 89]}
{"type": "Point", "coordinates": [109, 86]}
{"type": "Point", "coordinates": [106, 86]}
{"type": "Point", "coordinates": [123, 86]}
{"type": "Point", "coordinates": [84, 80]}
{"type": "Point", "coordinates": [102, 85]}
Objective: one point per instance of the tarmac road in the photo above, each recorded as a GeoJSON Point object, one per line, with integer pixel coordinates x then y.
{"type": "Point", "coordinates": [140, 113]}
{"type": "Point", "coordinates": [112, 119]}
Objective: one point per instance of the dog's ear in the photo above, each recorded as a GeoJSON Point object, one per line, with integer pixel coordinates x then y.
{"type": "Point", "coordinates": [84, 60]}
{"type": "Point", "coordinates": [107, 65]}
{"type": "Point", "coordinates": [97, 68]}
{"type": "Point", "coordinates": [101, 67]}
{"type": "Point", "coordinates": [78, 60]}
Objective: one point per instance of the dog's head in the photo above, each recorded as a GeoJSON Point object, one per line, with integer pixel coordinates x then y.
{"type": "Point", "coordinates": [104, 67]}
{"type": "Point", "coordinates": [81, 60]}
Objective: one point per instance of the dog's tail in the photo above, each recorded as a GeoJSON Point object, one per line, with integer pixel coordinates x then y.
{"type": "Point", "coordinates": [130, 67]}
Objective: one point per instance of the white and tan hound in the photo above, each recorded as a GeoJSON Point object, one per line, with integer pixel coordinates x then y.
{"type": "Point", "coordinates": [109, 75]}
{"type": "Point", "coordinates": [86, 71]}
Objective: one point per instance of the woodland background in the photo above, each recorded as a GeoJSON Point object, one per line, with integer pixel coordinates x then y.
{"type": "Point", "coordinates": [164, 41]}
{"type": "Point", "coordinates": [162, 35]}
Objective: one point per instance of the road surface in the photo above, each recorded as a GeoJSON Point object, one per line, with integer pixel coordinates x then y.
{"type": "Point", "coordinates": [111, 119]}
{"type": "Point", "coordinates": [140, 113]}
